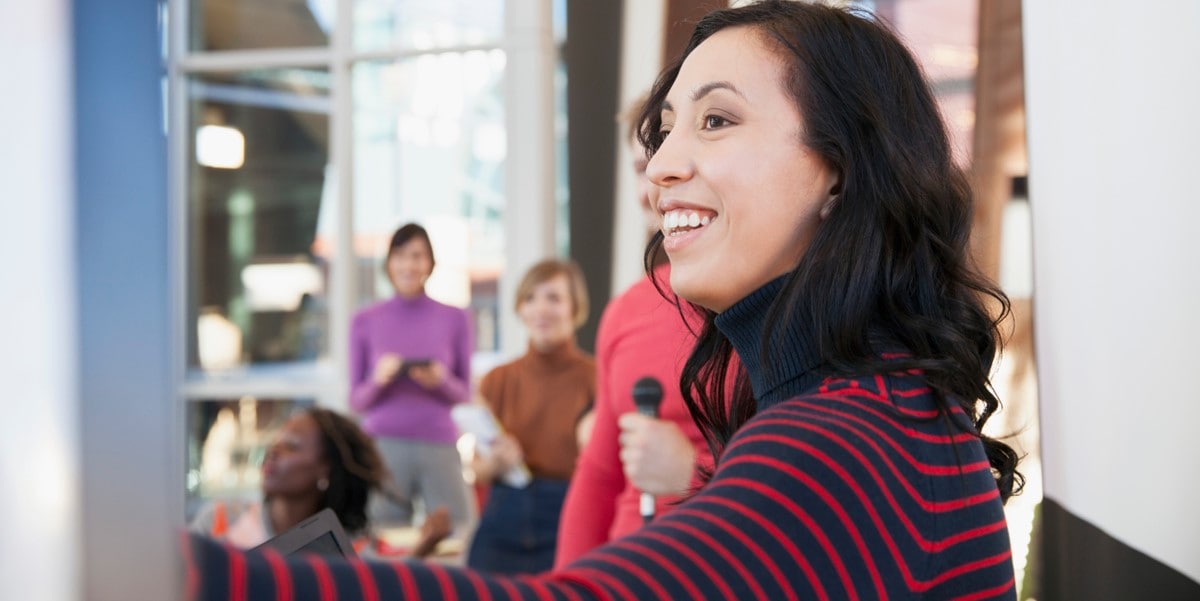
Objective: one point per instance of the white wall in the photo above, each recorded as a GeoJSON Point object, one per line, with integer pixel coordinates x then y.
{"type": "Point", "coordinates": [39, 434]}
{"type": "Point", "coordinates": [1114, 145]}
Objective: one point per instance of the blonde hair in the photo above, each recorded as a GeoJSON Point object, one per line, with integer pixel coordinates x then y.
{"type": "Point", "coordinates": [549, 269]}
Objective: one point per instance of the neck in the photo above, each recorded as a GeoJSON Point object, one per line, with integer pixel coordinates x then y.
{"type": "Point", "coordinates": [552, 352]}
{"type": "Point", "coordinates": [285, 512]}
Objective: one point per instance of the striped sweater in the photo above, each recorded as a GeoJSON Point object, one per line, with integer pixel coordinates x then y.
{"type": "Point", "coordinates": [835, 489]}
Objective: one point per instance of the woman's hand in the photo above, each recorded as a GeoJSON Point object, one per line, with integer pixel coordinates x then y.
{"type": "Point", "coordinates": [429, 376]}
{"type": "Point", "coordinates": [504, 454]}
{"type": "Point", "coordinates": [658, 458]}
{"type": "Point", "coordinates": [386, 369]}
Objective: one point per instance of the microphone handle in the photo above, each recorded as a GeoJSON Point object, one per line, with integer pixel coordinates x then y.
{"type": "Point", "coordinates": [647, 507]}
{"type": "Point", "coordinates": [646, 502]}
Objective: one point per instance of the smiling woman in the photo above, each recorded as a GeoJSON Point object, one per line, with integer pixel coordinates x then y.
{"type": "Point", "coordinates": [825, 251]}
{"type": "Point", "coordinates": [538, 398]}
{"type": "Point", "coordinates": [731, 168]}
{"type": "Point", "coordinates": [410, 363]}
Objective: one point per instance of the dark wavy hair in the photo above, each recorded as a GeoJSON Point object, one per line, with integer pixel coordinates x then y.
{"type": "Point", "coordinates": [355, 467]}
{"type": "Point", "coordinates": [890, 265]}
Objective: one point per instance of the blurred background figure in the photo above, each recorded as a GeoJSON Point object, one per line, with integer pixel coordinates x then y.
{"type": "Point", "coordinates": [318, 459]}
{"type": "Point", "coordinates": [538, 400]}
{"type": "Point", "coordinates": [641, 334]}
{"type": "Point", "coordinates": [410, 360]}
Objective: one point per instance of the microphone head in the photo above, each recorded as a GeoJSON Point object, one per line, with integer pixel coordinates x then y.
{"type": "Point", "coordinates": [647, 395]}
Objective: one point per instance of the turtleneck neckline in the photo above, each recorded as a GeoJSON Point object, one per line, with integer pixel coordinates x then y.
{"type": "Point", "coordinates": [554, 357]}
{"type": "Point", "coordinates": [792, 358]}
{"type": "Point", "coordinates": [412, 301]}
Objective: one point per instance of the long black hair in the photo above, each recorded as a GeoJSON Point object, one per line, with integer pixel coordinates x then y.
{"type": "Point", "coordinates": [890, 264]}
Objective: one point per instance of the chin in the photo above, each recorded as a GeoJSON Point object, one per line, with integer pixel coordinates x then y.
{"type": "Point", "coordinates": [698, 292]}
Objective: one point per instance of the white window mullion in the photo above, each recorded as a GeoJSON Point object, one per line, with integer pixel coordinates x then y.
{"type": "Point", "coordinates": [529, 212]}
{"type": "Point", "coordinates": [241, 60]}
{"type": "Point", "coordinates": [341, 149]}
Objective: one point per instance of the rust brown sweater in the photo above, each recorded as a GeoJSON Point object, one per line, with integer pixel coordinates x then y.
{"type": "Point", "coordinates": [538, 398]}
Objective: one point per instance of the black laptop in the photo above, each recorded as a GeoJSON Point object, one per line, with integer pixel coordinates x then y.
{"type": "Point", "coordinates": [322, 534]}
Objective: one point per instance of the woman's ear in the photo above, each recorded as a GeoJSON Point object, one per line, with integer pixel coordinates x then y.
{"type": "Point", "coordinates": [834, 192]}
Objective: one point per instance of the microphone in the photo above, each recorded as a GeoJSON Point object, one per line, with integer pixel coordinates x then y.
{"type": "Point", "coordinates": [647, 396]}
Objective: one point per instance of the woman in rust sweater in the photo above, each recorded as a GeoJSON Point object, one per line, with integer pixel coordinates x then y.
{"type": "Point", "coordinates": [537, 399]}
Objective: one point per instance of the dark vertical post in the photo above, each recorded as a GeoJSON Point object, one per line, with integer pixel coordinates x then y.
{"type": "Point", "coordinates": [593, 55]}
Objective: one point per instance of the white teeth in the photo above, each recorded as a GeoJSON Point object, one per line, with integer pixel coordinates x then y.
{"type": "Point", "coordinates": [673, 221]}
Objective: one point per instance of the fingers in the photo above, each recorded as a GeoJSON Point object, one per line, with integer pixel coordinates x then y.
{"type": "Point", "coordinates": [386, 368]}
{"type": "Point", "coordinates": [655, 454]}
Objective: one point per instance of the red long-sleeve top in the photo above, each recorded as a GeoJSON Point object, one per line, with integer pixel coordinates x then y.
{"type": "Point", "coordinates": [640, 334]}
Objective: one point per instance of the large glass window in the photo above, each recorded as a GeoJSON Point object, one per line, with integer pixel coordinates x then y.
{"type": "Point", "coordinates": [424, 25]}
{"type": "Point", "coordinates": [300, 142]}
{"type": "Point", "coordinates": [259, 155]}
{"type": "Point", "coordinates": [429, 146]}
{"type": "Point", "coordinates": [238, 24]}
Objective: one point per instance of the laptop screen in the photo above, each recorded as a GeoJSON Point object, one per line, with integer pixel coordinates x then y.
{"type": "Point", "coordinates": [322, 534]}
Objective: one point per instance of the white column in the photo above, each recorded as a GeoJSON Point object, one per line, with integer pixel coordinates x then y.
{"type": "Point", "coordinates": [1111, 93]}
{"type": "Point", "coordinates": [641, 59]}
{"type": "Point", "coordinates": [39, 435]}
{"type": "Point", "coordinates": [529, 218]}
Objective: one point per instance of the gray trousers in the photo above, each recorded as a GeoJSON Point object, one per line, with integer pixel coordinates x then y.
{"type": "Point", "coordinates": [428, 472]}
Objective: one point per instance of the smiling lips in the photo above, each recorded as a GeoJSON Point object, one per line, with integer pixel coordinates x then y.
{"type": "Point", "coordinates": [679, 221]}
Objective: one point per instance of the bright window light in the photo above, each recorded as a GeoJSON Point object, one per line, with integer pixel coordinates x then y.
{"type": "Point", "coordinates": [280, 286]}
{"type": "Point", "coordinates": [220, 146]}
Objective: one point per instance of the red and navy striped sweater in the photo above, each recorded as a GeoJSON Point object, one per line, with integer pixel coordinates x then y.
{"type": "Point", "coordinates": [848, 489]}
{"type": "Point", "coordinates": [839, 494]}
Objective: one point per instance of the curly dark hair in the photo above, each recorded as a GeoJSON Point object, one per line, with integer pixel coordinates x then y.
{"type": "Point", "coordinates": [355, 467]}
{"type": "Point", "coordinates": [891, 262]}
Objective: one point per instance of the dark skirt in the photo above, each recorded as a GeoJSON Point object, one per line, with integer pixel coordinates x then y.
{"type": "Point", "coordinates": [518, 531]}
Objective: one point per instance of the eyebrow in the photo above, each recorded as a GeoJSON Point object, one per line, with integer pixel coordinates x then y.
{"type": "Point", "coordinates": [705, 90]}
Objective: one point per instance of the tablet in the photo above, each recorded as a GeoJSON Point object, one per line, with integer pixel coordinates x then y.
{"type": "Point", "coordinates": [322, 534]}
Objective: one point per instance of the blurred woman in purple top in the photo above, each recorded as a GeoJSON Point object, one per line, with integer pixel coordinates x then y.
{"type": "Point", "coordinates": [410, 359]}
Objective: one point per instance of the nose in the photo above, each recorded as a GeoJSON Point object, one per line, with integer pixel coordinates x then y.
{"type": "Point", "coordinates": [671, 163]}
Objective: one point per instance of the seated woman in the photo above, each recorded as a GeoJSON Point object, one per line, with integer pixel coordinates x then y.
{"type": "Point", "coordinates": [318, 459]}
{"type": "Point", "coordinates": [538, 398]}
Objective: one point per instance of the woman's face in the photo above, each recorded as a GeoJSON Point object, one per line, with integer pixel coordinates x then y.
{"type": "Point", "coordinates": [409, 265]}
{"type": "Point", "coordinates": [548, 312]}
{"type": "Point", "coordinates": [294, 461]}
{"type": "Point", "coordinates": [738, 191]}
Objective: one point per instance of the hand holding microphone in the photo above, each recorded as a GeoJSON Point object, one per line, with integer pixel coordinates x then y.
{"type": "Point", "coordinates": [656, 455]}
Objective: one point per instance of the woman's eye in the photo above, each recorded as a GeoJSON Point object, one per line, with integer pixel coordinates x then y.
{"type": "Point", "coordinates": [715, 122]}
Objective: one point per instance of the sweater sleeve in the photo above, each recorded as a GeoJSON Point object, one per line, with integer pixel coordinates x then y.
{"type": "Point", "coordinates": [456, 386]}
{"type": "Point", "coordinates": [363, 390]}
{"type": "Point", "coordinates": [808, 502]}
{"type": "Point", "coordinates": [591, 503]}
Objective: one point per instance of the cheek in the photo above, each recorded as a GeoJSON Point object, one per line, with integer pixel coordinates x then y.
{"type": "Point", "coordinates": [565, 314]}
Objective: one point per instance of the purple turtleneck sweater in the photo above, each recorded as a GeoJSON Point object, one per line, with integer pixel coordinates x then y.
{"type": "Point", "coordinates": [413, 328]}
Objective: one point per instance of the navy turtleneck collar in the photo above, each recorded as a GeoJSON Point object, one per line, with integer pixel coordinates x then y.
{"type": "Point", "coordinates": [790, 369]}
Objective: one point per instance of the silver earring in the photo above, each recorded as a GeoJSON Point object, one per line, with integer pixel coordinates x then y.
{"type": "Point", "coordinates": [323, 484]}
{"type": "Point", "coordinates": [828, 208]}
